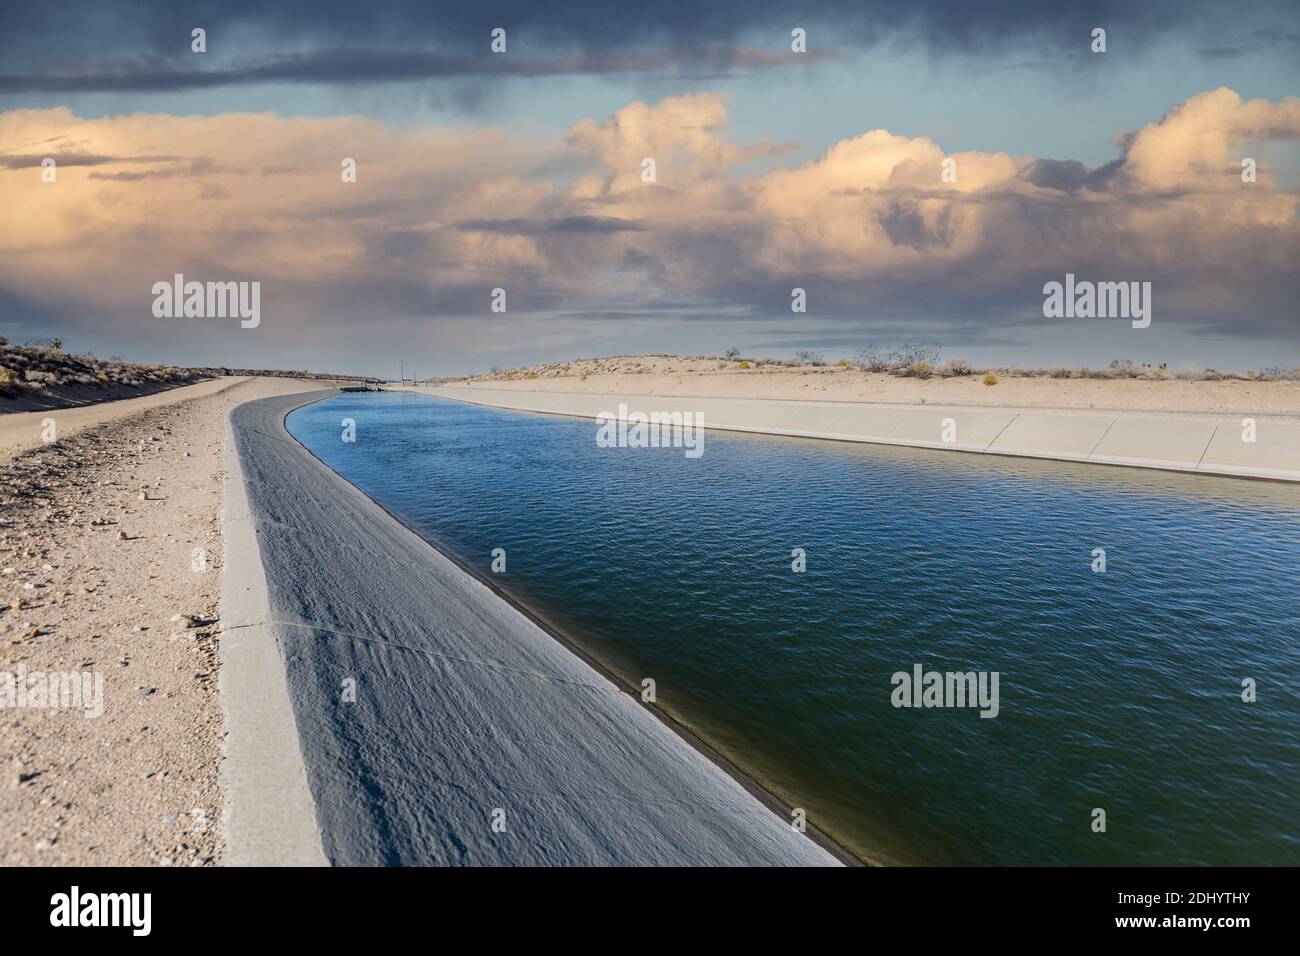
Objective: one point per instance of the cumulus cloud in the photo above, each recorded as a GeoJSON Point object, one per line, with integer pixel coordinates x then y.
{"type": "Point", "coordinates": [440, 216]}
{"type": "Point", "coordinates": [680, 133]}
{"type": "Point", "coordinates": [872, 221]}
{"type": "Point", "coordinates": [1195, 145]}
{"type": "Point", "coordinates": [254, 196]}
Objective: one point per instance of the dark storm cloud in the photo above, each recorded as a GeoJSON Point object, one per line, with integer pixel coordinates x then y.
{"type": "Point", "coordinates": [383, 66]}
{"type": "Point", "coordinates": [91, 45]}
{"type": "Point", "coordinates": [21, 161]}
{"type": "Point", "coordinates": [1070, 175]}
{"type": "Point", "coordinates": [905, 225]}
{"type": "Point", "coordinates": [195, 167]}
{"type": "Point", "coordinates": [1255, 42]}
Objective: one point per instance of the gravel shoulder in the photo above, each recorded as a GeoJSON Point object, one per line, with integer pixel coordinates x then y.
{"type": "Point", "coordinates": [110, 554]}
{"type": "Point", "coordinates": [23, 431]}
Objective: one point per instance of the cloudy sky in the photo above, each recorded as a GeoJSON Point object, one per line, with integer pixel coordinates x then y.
{"type": "Point", "coordinates": [774, 169]}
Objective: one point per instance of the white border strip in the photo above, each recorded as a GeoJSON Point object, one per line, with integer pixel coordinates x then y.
{"type": "Point", "coordinates": [270, 817]}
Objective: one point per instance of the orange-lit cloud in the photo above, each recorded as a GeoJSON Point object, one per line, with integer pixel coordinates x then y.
{"type": "Point", "coordinates": [440, 216]}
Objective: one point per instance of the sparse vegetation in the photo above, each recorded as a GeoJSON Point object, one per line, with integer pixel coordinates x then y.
{"type": "Point", "coordinates": [990, 378]}
{"type": "Point", "coordinates": [912, 353]}
{"type": "Point", "coordinates": [913, 359]}
{"type": "Point", "coordinates": [872, 359]}
{"type": "Point", "coordinates": [909, 360]}
{"type": "Point", "coordinates": [45, 376]}
{"type": "Point", "coordinates": [732, 354]}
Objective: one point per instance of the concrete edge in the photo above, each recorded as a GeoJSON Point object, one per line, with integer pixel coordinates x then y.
{"type": "Point", "coordinates": [983, 448]}
{"type": "Point", "coordinates": [270, 816]}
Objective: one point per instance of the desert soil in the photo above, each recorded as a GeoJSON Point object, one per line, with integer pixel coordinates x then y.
{"type": "Point", "coordinates": [107, 535]}
{"type": "Point", "coordinates": [719, 378]}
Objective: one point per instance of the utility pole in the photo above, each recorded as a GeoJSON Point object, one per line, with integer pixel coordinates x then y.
{"type": "Point", "coordinates": [402, 374]}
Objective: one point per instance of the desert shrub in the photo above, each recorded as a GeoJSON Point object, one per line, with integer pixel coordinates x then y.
{"type": "Point", "coordinates": [1125, 368]}
{"type": "Point", "coordinates": [920, 369]}
{"type": "Point", "coordinates": [6, 378]}
{"type": "Point", "coordinates": [732, 354]}
{"type": "Point", "coordinates": [1059, 373]}
{"type": "Point", "coordinates": [990, 378]}
{"type": "Point", "coordinates": [842, 363]}
{"type": "Point", "coordinates": [872, 359]}
{"type": "Point", "coordinates": [746, 365]}
{"type": "Point", "coordinates": [808, 357]}
{"type": "Point", "coordinates": [911, 353]}
{"type": "Point", "coordinates": [955, 367]}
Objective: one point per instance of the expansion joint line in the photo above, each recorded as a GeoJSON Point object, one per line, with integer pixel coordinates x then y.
{"type": "Point", "coordinates": [1000, 431]}
{"type": "Point", "coordinates": [425, 652]}
{"type": "Point", "coordinates": [560, 798]}
{"type": "Point", "coordinates": [1103, 437]}
{"type": "Point", "coordinates": [1206, 450]}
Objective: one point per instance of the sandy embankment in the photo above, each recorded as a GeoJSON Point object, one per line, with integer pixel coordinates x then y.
{"type": "Point", "coordinates": [93, 575]}
{"type": "Point", "coordinates": [718, 378]}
